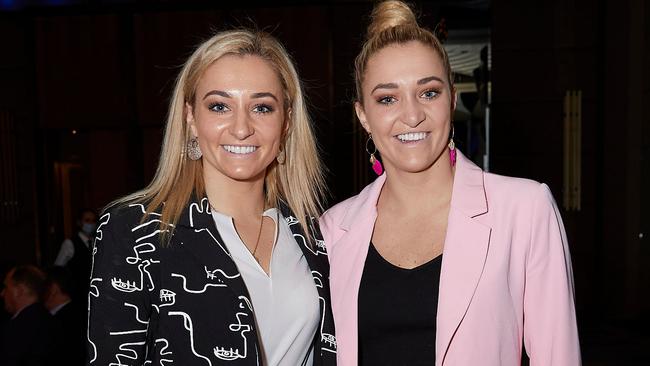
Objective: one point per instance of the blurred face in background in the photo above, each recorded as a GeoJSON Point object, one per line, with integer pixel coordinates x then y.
{"type": "Point", "coordinates": [11, 293]}
{"type": "Point", "coordinates": [407, 106]}
{"type": "Point", "coordinates": [88, 222]}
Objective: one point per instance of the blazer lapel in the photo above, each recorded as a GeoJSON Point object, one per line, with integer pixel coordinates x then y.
{"type": "Point", "coordinates": [198, 234]}
{"type": "Point", "coordinates": [465, 253]}
{"type": "Point", "coordinates": [316, 256]}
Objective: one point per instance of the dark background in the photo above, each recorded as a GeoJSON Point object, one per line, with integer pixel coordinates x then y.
{"type": "Point", "coordinates": [84, 87]}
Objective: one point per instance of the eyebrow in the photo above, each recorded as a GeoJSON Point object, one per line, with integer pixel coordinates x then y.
{"type": "Point", "coordinates": [384, 86]}
{"type": "Point", "coordinates": [227, 95]}
{"type": "Point", "coordinates": [394, 85]}
{"type": "Point", "coordinates": [430, 78]}
{"type": "Point", "coordinates": [217, 92]}
{"type": "Point", "coordinates": [263, 95]}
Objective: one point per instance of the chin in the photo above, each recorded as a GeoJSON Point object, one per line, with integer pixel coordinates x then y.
{"type": "Point", "coordinates": [413, 166]}
{"type": "Point", "coordinates": [418, 169]}
{"type": "Point", "coordinates": [245, 175]}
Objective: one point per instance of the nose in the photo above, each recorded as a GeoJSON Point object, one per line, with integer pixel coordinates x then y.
{"type": "Point", "coordinates": [412, 113]}
{"type": "Point", "coordinates": [242, 126]}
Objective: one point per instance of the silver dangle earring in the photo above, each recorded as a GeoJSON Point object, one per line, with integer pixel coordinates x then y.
{"type": "Point", "coordinates": [193, 149]}
{"type": "Point", "coordinates": [282, 155]}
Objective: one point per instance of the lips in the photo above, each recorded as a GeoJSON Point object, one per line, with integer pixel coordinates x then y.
{"type": "Point", "coordinates": [412, 136]}
{"type": "Point", "coordinates": [240, 149]}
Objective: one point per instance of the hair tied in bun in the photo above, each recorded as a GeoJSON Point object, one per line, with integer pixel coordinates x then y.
{"type": "Point", "coordinates": [390, 14]}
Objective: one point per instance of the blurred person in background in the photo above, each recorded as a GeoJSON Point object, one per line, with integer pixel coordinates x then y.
{"type": "Point", "coordinates": [69, 317]}
{"type": "Point", "coordinates": [75, 254]}
{"type": "Point", "coordinates": [27, 338]}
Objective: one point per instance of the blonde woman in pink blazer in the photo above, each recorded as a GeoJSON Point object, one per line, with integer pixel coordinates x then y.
{"type": "Point", "coordinates": [437, 262]}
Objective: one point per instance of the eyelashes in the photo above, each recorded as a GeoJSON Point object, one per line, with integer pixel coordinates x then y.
{"type": "Point", "coordinates": [218, 107]}
{"type": "Point", "coordinates": [431, 94]}
{"type": "Point", "coordinates": [387, 100]}
{"type": "Point", "coordinates": [221, 108]}
{"type": "Point", "coordinates": [263, 109]}
{"type": "Point", "coordinates": [428, 94]}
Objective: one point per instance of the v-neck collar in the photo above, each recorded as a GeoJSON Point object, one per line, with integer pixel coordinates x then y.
{"type": "Point", "coordinates": [226, 226]}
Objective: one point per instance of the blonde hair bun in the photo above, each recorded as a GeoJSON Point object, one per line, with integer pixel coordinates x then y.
{"type": "Point", "coordinates": [390, 14]}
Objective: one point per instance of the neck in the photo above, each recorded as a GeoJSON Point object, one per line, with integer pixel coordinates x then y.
{"type": "Point", "coordinates": [233, 197]}
{"type": "Point", "coordinates": [413, 192]}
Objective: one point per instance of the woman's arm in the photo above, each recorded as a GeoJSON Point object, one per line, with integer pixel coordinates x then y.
{"type": "Point", "coordinates": [550, 330]}
{"type": "Point", "coordinates": [119, 302]}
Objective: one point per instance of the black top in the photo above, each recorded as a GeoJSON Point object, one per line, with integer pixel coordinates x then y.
{"type": "Point", "coordinates": [397, 312]}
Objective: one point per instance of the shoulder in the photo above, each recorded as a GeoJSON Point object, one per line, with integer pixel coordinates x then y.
{"type": "Point", "coordinates": [35, 313]}
{"type": "Point", "coordinates": [121, 215]}
{"type": "Point", "coordinates": [350, 212]}
{"type": "Point", "coordinates": [355, 205]}
{"type": "Point", "coordinates": [67, 242]}
{"type": "Point", "coordinates": [124, 220]}
{"type": "Point", "coordinates": [338, 211]}
{"type": "Point", "coordinates": [504, 190]}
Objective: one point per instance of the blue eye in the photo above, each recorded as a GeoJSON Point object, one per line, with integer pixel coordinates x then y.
{"type": "Point", "coordinates": [262, 108]}
{"type": "Point", "coordinates": [219, 108]}
{"type": "Point", "coordinates": [430, 94]}
{"type": "Point", "coordinates": [387, 100]}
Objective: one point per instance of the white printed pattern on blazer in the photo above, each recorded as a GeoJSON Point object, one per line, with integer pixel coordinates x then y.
{"type": "Point", "coordinates": [185, 303]}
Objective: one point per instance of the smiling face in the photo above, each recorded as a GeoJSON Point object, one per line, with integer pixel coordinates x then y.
{"type": "Point", "coordinates": [239, 118]}
{"type": "Point", "coordinates": [407, 106]}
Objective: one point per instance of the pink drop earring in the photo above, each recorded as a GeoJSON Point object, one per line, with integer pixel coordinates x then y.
{"type": "Point", "coordinates": [376, 164]}
{"type": "Point", "coordinates": [452, 147]}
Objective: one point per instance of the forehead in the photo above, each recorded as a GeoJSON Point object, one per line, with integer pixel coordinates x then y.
{"type": "Point", "coordinates": [404, 62]}
{"type": "Point", "coordinates": [240, 72]}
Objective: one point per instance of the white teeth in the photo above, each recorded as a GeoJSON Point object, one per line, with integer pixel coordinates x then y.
{"type": "Point", "coordinates": [412, 136]}
{"type": "Point", "coordinates": [238, 149]}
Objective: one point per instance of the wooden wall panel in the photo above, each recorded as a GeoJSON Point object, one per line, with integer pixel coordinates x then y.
{"type": "Point", "coordinates": [575, 45]}
{"type": "Point", "coordinates": [81, 80]}
{"type": "Point", "coordinates": [108, 169]}
{"type": "Point", "coordinates": [162, 43]}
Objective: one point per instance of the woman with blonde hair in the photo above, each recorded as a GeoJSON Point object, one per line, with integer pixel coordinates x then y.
{"type": "Point", "coordinates": [218, 260]}
{"type": "Point", "coordinates": [438, 262]}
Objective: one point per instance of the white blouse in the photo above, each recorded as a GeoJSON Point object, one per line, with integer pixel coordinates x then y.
{"type": "Point", "coordinates": [285, 302]}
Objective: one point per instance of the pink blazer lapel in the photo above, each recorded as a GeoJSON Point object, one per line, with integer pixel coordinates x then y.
{"type": "Point", "coordinates": [464, 254]}
{"type": "Point", "coordinates": [350, 258]}
{"type": "Point", "coordinates": [365, 207]}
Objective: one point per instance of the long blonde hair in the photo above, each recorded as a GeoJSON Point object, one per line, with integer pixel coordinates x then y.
{"type": "Point", "coordinates": [299, 181]}
{"type": "Point", "coordinates": [393, 22]}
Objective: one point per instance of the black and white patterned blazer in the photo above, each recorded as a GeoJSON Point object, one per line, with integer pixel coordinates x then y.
{"type": "Point", "coordinates": [185, 303]}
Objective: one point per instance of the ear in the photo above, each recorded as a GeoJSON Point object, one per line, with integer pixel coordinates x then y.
{"type": "Point", "coordinates": [189, 118]}
{"type": "Point", "coordinates": [288, 123]}
{"type": "Point", "coordinates": [361, 115]}
{"type": "Point", "coordinates": [454, 98]}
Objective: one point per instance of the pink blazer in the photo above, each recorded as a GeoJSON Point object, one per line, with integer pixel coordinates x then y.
{"type": "Point", "coordinates": [506, 272]}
